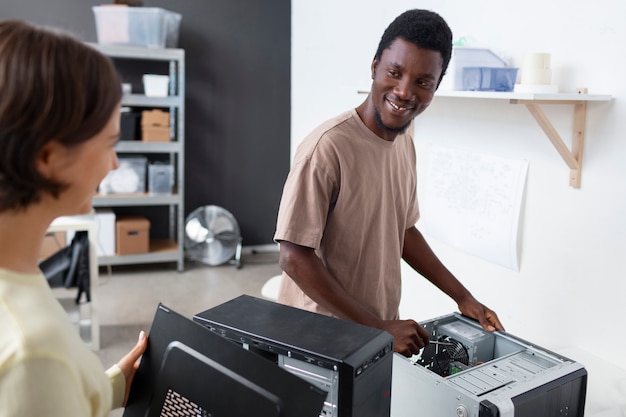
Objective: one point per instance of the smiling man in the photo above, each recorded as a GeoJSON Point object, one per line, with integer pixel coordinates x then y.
{"type": "Point", "coordinates": [349, 206]}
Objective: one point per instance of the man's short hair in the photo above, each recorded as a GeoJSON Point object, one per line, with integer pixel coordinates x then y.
{"type": "Point", "coordinates": [423, 28]}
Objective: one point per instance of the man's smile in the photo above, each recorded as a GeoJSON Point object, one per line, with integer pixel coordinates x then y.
{"type": "Point", "coordinates": [400, 107]}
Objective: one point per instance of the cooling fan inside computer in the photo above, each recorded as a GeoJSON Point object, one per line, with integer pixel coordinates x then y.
{"type": "Point", "coordinates": [451, 356]}
{"type": "Point", "coordinates": [445, 356]}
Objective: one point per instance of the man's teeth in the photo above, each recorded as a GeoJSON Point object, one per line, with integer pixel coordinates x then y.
{"type": "Point", "coordinates": [395, 106]}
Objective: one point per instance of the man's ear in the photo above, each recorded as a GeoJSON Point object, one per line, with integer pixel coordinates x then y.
{"type": "Point", "coordinates": [374, 65]}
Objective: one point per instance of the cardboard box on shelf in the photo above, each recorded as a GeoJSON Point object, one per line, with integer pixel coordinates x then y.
{"type": "Point", "coordinates": [155, 134]}
{"type": "Point", "coordinates": [155, 126]}
{"type": "Point", "coordinates": [132, 235]}
{"type": "Point", "coordinates": [155, 118]}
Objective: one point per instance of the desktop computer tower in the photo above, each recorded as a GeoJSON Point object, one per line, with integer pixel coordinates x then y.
{"type": "Point", "coordinates": [466, 371]}
{"type": "Point", "coordinates": [349, 361]}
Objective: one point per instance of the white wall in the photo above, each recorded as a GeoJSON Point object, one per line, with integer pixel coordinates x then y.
{"type": "Point", "coordinates": [570, 290]}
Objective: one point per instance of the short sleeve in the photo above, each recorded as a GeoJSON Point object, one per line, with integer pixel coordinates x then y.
{"type": "Point", "coordinates": [308, 195]}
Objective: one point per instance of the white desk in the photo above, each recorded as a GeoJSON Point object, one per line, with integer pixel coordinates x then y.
{"type": "Point", "coordinates": [89, 224]}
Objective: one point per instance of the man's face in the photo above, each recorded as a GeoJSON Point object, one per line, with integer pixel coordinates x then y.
{"type": "Point", "coordinates": [405, 80]}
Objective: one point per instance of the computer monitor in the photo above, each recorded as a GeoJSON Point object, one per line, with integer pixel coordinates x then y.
{"type": "Point", "coordinates": [189, 371]}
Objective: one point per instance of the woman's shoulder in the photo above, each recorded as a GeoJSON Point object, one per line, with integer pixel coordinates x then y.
{"type": "Point", "coordinates": [33, 322]}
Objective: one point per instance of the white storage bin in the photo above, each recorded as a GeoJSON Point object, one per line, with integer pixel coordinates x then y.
{"type": "Point", "coordinates": [129, 177]}
{"type": "Point", "coordinates": [152, 27]}
{"type": "Point", "coordinates": [156, 85]}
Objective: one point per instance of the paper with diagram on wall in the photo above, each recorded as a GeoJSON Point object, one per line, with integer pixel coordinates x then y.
{"type": "Point", "coordinates": [472, 201]}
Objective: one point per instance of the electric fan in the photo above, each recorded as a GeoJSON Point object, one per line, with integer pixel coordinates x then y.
{"type": "Point", "coordinates": [212, 236]}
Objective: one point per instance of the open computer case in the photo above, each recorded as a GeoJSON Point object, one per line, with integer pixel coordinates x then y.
{"type": "Point", "coordinates": [466, 371]}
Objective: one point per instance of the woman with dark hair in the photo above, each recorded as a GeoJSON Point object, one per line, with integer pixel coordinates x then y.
{"type": "Point", "coordinates": [59, 122]}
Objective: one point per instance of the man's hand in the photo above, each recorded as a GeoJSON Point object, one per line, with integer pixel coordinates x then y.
{"type": "Point", "coordinates": [487, 318]}
{"type": "Point", "coordinates": [408, 336]}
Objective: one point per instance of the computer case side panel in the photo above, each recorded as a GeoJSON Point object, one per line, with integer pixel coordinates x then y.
{"type": "Point", "coordinates": [416, 391]}
{"type": "Point", "coordinates": [371, 392]}
{"type": "Point", "coordinates": [564, 396]}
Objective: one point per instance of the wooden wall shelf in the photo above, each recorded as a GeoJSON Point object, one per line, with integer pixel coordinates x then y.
{"type": "Point", "coordinates": [573, 157]}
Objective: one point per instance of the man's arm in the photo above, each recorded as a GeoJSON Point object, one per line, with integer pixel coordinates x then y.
{"type": "Point", "coordinates": [418, 254]}
{"type": "Point", "coordinates": [309, 273]}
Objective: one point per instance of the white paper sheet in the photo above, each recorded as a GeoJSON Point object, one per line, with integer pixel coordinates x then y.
{"type": "Point", "coordinates": [472, 201]}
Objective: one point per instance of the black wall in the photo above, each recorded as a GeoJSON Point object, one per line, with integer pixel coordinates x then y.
{"type": "Point", "coordinates": [237, 98]}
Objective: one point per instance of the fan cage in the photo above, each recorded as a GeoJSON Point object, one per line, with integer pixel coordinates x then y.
{"type": "Point", "coordinates": [212, 236]}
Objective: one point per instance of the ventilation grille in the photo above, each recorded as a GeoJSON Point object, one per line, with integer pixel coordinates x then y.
{"type": "Point", "coordinates": [176, 405]}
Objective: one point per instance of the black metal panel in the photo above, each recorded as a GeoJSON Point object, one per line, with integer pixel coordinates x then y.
{"type": "Point", "coordinates": [188, 368]}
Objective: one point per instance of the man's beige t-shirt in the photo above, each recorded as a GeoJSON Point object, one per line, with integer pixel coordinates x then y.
{"type": "Point", "coordinates": [351, 196]}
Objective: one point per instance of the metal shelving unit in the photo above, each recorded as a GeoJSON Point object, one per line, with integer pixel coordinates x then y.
{"type": "Point", "coordinates": [161, 250]}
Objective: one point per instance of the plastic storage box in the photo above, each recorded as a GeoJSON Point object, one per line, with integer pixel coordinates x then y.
{"type": "Point", "coordinates": [152, 27]}
{"type": "Point", "coordinates": [129, 177]}
{"type": "Point", "coordinates": [489, 79]}
{"type": "Point", "coordinates": [160, 178]}
{"type": "Point", "coordinates": [463, 57]}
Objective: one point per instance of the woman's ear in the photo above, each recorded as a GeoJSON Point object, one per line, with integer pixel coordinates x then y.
{"type": "Point", "coordinates": [48, 159]}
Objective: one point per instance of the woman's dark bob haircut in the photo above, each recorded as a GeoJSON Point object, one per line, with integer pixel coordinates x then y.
{"type": "Point", "coordinates": [53, 87]}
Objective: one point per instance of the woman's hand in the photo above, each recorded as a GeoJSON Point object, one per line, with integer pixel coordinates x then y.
{"type": "Point", "coordinates": [129, 363]}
